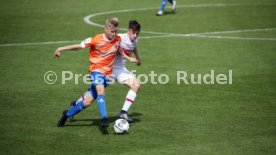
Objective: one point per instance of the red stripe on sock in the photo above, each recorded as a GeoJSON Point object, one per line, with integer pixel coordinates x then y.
{"type": "Point", "coordinates": [129, 100]}
{"type": "Point", "coordinates": [82, 97]}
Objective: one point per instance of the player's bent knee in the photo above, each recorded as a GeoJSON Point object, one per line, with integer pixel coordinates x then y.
{"type": "Point", "coordinates": [138, 84]}
{"type": "Point", "coordinates": [135, 85]}
{"type": "Point", "coordinates": [88, 100]}
{"type": "Point", "coordinates": [100, 89]}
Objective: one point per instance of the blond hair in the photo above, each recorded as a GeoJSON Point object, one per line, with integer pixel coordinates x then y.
{"type": "Point", "coordinates": [112, 23]}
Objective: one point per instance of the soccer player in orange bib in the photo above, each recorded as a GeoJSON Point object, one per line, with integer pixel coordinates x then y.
{"type": "Point", "coordinates": [103, 50]}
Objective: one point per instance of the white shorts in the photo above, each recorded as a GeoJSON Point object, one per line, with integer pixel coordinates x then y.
{"type": "Point", "coordinates": [121, 75]}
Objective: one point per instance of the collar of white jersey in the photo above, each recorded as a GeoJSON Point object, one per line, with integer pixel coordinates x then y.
{"type": "Point", "coordinates": [126, 34]}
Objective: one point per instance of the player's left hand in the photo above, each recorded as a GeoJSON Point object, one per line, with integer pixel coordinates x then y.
{"type": "Point", "coordinates": [134, 60]}
{"type": "Point", "coordinates": [57, 52]}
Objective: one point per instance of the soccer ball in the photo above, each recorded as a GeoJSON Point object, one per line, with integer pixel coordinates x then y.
{"type": "Point", "coordinates": [121, 126]}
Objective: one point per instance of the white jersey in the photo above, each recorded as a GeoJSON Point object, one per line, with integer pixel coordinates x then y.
{"type": "Point", "coordinates": [127, 46]}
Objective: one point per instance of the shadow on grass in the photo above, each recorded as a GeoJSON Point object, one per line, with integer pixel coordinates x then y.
{"type": "Point", "coordinates": [167, 13]}
{"type": "Point", "coordinates": [96, 122]}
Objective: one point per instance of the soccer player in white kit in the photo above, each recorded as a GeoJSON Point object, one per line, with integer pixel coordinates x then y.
{"type": "Point", "coordinates": [128, 45]}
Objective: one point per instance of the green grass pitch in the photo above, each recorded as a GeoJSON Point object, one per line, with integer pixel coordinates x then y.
{"type": "Point", "coordinates": [171, 118]}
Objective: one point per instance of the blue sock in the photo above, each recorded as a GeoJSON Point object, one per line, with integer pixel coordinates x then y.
{"type": "Point", "coordinates": [163, 4]}
{"type": "Point", "coordinates": [102, 106]}
{"type": "Point", "coordinates": [76, 109]}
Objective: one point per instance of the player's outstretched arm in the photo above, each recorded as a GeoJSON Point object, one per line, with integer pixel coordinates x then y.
{"type": "Point", "coordinates": [134, 60]}
{"type": "Point", "coordinates": [67, 48]}
{"type": "Point", "coordinates": [139, 62]}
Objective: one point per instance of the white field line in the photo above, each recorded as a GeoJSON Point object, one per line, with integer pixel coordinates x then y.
{"type": "Point", "coordinates": [236, 38]}
{"type": "Point", "coordinates": [216, 32]}
{"type": "Point", "coordinates": [236, 31]}
{"type": "Point", "coordinates": [37, 43]}
{"type": "Point", "coordinates": [88, 19]}
{"type": "Point", "coordinates": [164, 34]}
{"type": "Point", "coordinates": [201, 35]}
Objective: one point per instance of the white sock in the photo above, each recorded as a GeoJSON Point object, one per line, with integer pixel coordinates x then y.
{"type": "Point", "coordinates": [173, 5]}
{"type": "Point", "coordinates": [131, 95]}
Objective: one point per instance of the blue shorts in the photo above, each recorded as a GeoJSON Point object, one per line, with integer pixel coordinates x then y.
{"type": "Point", "coordinates": [97, 79]}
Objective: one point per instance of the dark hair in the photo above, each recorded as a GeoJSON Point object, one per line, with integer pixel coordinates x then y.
{"type": "Point", "coordinates": [134, 25]}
